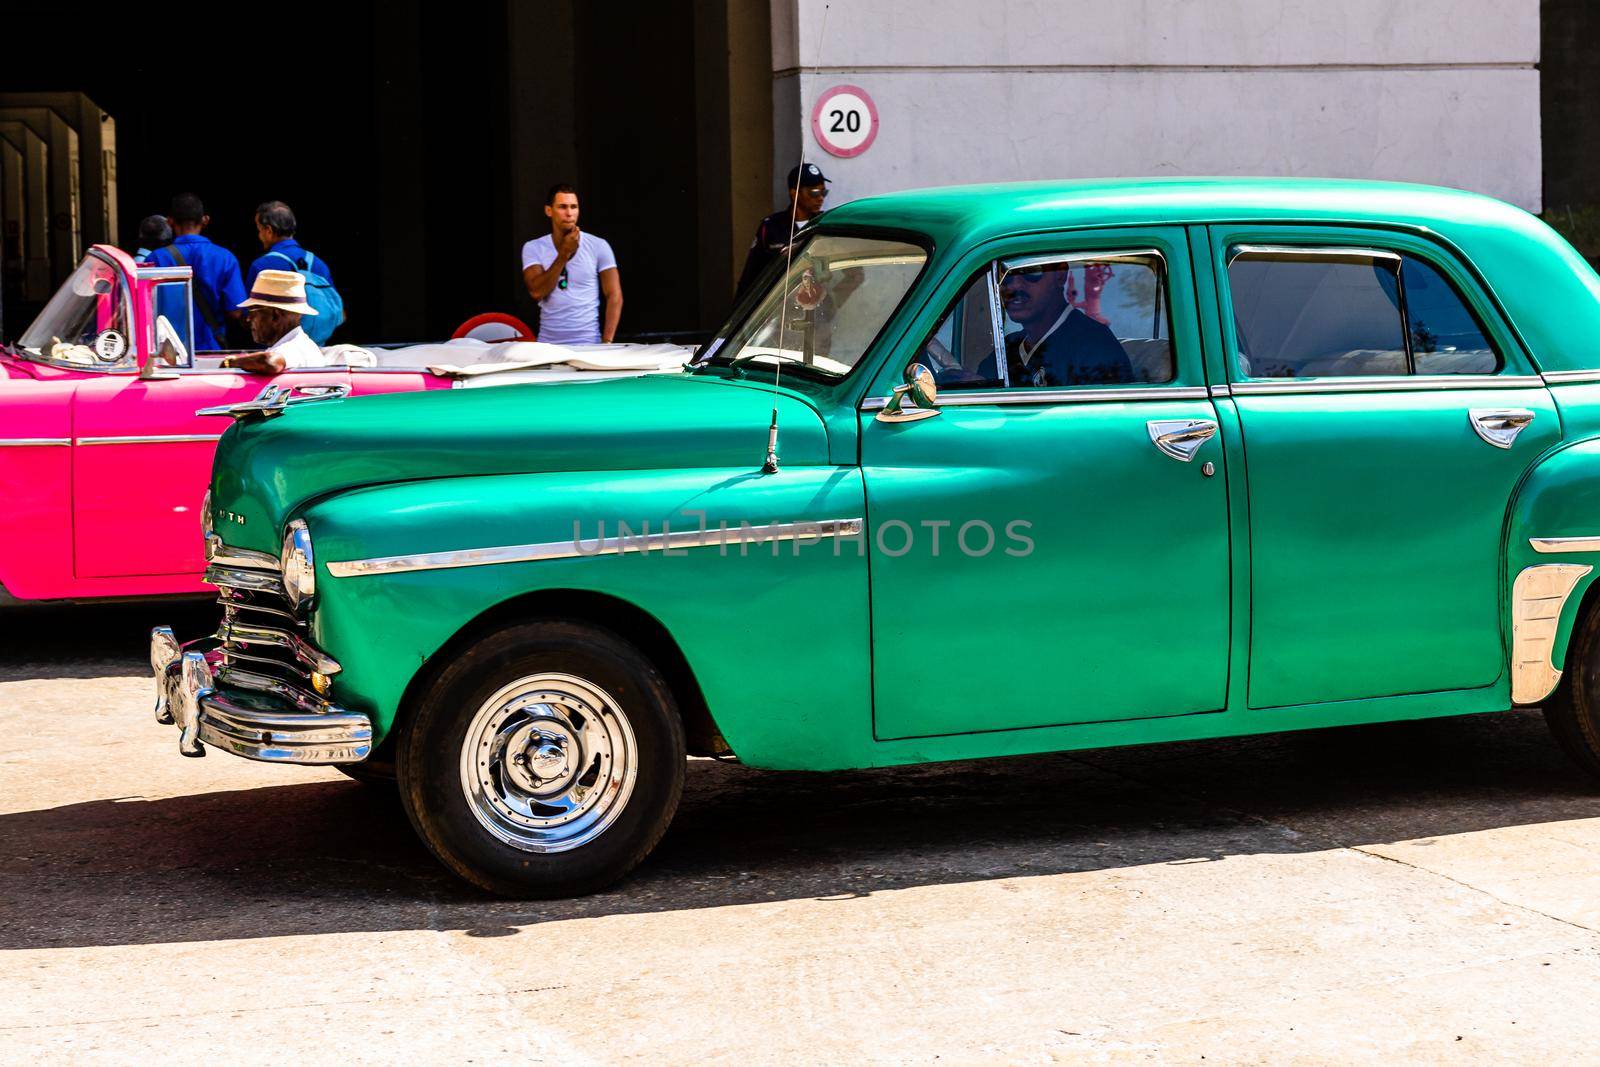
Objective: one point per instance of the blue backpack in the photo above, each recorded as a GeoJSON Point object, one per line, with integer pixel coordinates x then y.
{"type": "Point", "coordinates": [322, 296]}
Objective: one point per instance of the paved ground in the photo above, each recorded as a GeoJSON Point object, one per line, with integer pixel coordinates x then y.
{"type": "Point", "coordinates": [1420, 892]}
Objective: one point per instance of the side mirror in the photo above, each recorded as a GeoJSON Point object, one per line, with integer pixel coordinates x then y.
{"type": "Point", "coordinates": [923, 392]}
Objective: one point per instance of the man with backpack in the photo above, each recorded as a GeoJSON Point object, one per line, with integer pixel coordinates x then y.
{"type": "Point", "coordinates": [218, 288]}
{"type": "Point", "coordinates": [275, 227]}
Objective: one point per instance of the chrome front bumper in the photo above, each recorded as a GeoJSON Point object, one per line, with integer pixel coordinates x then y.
{"type": "Point", "coordinates": [248, 714]}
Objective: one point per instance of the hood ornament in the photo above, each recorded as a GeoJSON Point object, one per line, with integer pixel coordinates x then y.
{"type": "Point", "coordinates": [275, 398]}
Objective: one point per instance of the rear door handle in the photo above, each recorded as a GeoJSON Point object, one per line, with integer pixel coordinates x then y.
{"type": "Point", "coordinates": [1181, 438]}
{"type": "Point", "coordinates": [1500, 426]}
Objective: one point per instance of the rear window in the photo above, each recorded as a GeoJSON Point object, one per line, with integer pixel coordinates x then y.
{"type": "Point", "coordinates": [1333, 312]}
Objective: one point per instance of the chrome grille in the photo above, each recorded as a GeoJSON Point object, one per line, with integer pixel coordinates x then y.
{"type": "Point", "coordinates": [260, 635]}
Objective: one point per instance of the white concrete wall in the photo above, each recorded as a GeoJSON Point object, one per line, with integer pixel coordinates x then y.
{"type": "Point", "coordinates": [1441, 91]}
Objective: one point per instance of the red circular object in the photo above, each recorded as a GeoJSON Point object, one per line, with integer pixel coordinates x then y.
{"type": "Point", "coordinates": [495, 318]}
{"type": "Point", "coordinates": [821, 135]}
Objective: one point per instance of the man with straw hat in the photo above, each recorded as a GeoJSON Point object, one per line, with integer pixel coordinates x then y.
{"type": "Point", "coordinates": [277, 300]}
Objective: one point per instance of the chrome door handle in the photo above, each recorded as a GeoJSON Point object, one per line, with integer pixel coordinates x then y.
{"type": "Point", "coordinates": [1181, 438]}
{"type": "Point", "coordinates": [1500, 426]}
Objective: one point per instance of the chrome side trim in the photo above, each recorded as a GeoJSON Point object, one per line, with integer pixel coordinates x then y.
{"type": "Point", "coordinates": [151, 439]}
{"type": "Point", "coordinates": [608, 546]}
{"type": "Point", "coordinates": [1222, 390]}
{"type": "Point", "coordinates": [1049, 259]}
{"type": "Point", "coordinates": [33, 442]}
{"type": "Point", "coordinates": [1314, 252]}
{"type": "Point", "coordinates": [1086, 395]}
{"type": "Point", "coordinates": [1537, 597]}
{"type": "Point", "coordinates": [1565, 544]}
{"type": "Point", "coordinates": [1564, 377]}
{"type": "Point", "coordinates": [1395, 384]}
{"type": "Point", "coordinates": [997, 321]}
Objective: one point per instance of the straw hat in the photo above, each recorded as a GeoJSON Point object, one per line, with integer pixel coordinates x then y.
{"type": "Point", "coordinates": [281, 289]}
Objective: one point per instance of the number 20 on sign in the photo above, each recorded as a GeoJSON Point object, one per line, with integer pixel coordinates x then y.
{"type": "Point", "coordinates": [844, 120]}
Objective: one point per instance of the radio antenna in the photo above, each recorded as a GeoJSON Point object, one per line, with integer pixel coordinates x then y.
{"type": "Point", "coordinates": [771, 464]}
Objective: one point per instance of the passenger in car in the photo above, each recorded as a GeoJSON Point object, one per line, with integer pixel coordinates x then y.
{"type": "Point", "coordinates": [274, 308]}
{"type": "Point", "coordinates": [1058, 344]}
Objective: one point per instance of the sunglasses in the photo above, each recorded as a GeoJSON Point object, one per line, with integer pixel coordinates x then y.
{"type": "Point", "coordinates": [562, 284]}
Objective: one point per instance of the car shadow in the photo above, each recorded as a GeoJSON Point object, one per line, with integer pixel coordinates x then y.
{"type": "Point", "coordinates": [48, 642]}
{"type": "Point", "coordinates": [329, 857]}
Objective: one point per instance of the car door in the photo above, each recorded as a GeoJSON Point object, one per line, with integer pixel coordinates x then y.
{"type": "Point", "coordinates": [142, 462]}
{"type": "Point", "coordinates": [1387, 416]}
{"type": "Point", "coordinates": [1045, 554]}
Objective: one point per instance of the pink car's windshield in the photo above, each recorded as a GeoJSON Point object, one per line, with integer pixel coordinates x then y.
{"type": "Point", "coordinates": [86, 324]}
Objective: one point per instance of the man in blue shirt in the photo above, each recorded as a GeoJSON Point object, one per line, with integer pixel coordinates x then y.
{"type": "Point", "coordinates": [275, 226]}
{"type": "Point", "coordinates": [218, 289]}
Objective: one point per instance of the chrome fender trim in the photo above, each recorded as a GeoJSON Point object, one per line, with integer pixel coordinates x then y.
{"type": "Point", "coordinates": [1589, 543]}
{"type": "Point", "coordinates": [670, 540]}
{"type": "Point", "coordinates": [1537, 597]}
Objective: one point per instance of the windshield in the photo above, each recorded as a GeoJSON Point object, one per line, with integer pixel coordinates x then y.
{"type": "Point", "coordinates": [827, 309]}
{"type": "Point", "coordinates": [85, 325]}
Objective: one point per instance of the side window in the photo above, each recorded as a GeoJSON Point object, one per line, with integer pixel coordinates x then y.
{"type": "Point", "coordinates": [961, 351]}
{"type": "Point", "coordinates": [1315, 314]}
{"type": "Point", "coordinates": [1334, 312]}
{"type": "Point", "coordinates": [1446, 338]}
{"type": "Point", "coordinates": [1086, 320]}
{"type": "Point", "coordinates": [174, 341]}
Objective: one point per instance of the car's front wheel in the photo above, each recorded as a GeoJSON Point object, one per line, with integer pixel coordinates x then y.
{"type": "Point", "coordinates": [546, 760]}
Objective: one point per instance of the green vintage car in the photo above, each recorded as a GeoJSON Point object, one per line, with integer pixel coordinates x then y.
{"type": "Point", "coordinates": [976, 472]}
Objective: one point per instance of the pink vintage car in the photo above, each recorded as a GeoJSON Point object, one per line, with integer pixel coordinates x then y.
{"type": "Point", "coordinates": [105, 452]}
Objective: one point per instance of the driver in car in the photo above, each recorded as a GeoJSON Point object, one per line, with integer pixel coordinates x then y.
{"type": "Point", "coordinates": [273, 309]}
{"type": "Point", "coordinates": [1058, 344]}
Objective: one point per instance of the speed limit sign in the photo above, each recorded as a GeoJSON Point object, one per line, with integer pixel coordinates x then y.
{"type": "Point", "coordinates": [845, 120]}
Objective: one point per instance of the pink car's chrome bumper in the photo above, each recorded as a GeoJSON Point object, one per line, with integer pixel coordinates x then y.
{"type": "Point", "coordinates": [248, 714]}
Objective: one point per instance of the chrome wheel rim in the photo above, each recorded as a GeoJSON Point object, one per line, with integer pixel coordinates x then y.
{"type": "Point", "coordinates": [548, 763]}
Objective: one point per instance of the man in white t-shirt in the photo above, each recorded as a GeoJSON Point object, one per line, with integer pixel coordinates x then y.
{"type": "Point", "coordinates": [567, 272]}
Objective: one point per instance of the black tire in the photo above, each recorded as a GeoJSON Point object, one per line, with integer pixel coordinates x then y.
{"type": "Point", "coordinates": [1573, 710]}
{"type": "Point", "coordinates": [430, 763]}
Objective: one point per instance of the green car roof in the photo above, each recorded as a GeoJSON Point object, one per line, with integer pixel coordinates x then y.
{"type": "Point", "coordinates": [1550, 293]}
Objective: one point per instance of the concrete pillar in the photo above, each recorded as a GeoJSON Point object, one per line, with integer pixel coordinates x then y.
{"type": "Point", "coordinates": [97, 158]}
{"type": "Point", "coordinates": [65, 232]}
{"type": "Point", "coordinates": [401, 267]}
{"type": "Point", "coordinates": [787, 136]}
{"type": "Point", "coordinates": [733, 114]}
{"type": "Point", "coordinates": [1569, 84]}
{"type": "Point", "coordinates": [541, 122]}
{"type": "Point", "coordinates": [34, 205]}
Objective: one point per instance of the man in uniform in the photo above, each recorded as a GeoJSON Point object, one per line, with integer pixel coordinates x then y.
{"type": "Point", "coordinates": [808, 189]}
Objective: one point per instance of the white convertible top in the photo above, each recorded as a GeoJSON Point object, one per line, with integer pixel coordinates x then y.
{"type": "Point", "coordinates": [504, 362]}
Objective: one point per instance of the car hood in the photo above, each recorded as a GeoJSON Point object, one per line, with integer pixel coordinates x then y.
{"type": "Point", "coordinates": [267, 469]}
